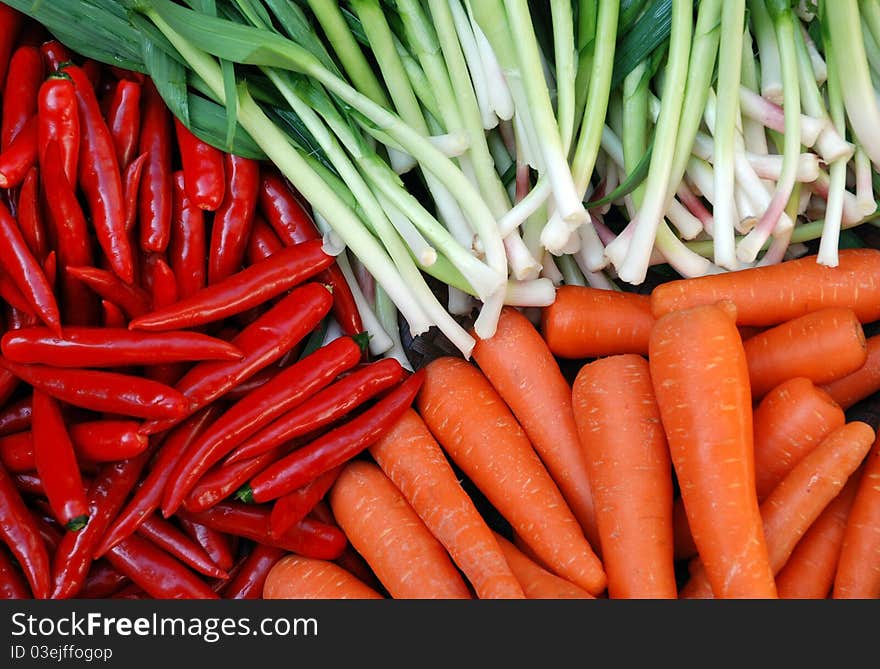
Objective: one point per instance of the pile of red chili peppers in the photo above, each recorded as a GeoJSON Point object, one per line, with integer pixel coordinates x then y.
{"type": "Point", "coordinates": [172, 410]}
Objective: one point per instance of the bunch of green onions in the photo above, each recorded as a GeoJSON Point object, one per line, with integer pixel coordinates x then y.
{"type": "Point", "coordinates": [504, 147]}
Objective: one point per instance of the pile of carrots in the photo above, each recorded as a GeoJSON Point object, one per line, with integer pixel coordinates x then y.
{"type": "Point", "coordinates": [702, 449]}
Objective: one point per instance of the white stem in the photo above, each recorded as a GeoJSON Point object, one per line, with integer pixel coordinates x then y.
{"type": "Point", "coordinates": [535, 293]}
{"type": "Point", "coordinates": [380, 341]}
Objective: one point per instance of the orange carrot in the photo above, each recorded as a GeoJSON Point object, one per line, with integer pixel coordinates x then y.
{"type": "Point", "coordinates": [478, 431]}
{"type": "Point", "coordinates": [384, 529]}
{"type": "Point", "coordinates": [409, 455]}
{"type": "Point", "coordinates": [701, 382]}
{"type": "Point", "coordinates": [822, 346]}
{"type": "Point", "coordinates": [681, 532]}
{"type": "Point", "coordinates": [585, 322]}
{"type": "Point", "coordinates": [809, 571]}
{"type": "Point", "coordinates": [777, 293]}
{"type": "Point", "coordinates": [630, 474]}
{"type": "Point", "coordinates": [298, 577]}
{"type": "Point", "coordinates": [537, 582]}
{"type": "Point", "coordinates": [863, 382]}
{"type": "Point", "coordinates": [807, 489]}
{"type": "Point", "coordinates": [858, 571]}
{"type": "Point", "coordinates": [789, 422]}
{"type": "Point", "coordinates": [521, 367]}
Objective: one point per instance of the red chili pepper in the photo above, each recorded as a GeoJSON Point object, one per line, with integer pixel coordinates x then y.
{"type": "Point", "coordinates": [103, 580]}
{"type": "Point", "coordinates": [10, 26]}
{"type": "Point", "coordinates": [121, 73]}
{"type": "Point", "coordinates": [100, 177]}
{"type": "Point", "coordinates": [215, 543]}
{"type": "Point", "coordinates": [286, 390]}
{"type": "Point", "coordinates": [93, 441]}
{"type": "Point", "coordinates": [112, 316]}
{"type": "Point", "coordinates": [133, 300]}
{"type": "Point", "coordinates": [56, 464]}
{"type": "Point", "coordinates": [12, 295]}
{"type": "Point", "coordinates": [94, 72]}
{"type": "Point", "coordinates": [172, 540]}
{"type": "Point", "coordinates": [293, 225]}
{"type": "Point", "coordinates": [148, 496]}
{"type": "Point", "coordinates": [29, 217]}
{"type": "Point", "coordinates": [131, 183]}
{"type": "Point", "coordinates": [288, 510]}
{"type": "Point", "coordinates": [20, 156]}
{"type": "Point", "coordinates": [203, 169]}
{"type": "Point", "coordinates": [155, 192]}
{"type": "Point", "coordinates": [98, 390]}
{"type": "Point", "coordinates": [28, 483]}
{"type": "Point", "coordinates": [259, 379]}
{"type": "Point", "coordinates": [325, 408]}
{"type": "Point", "coordinates": [263, 241]}
{"type": "Point", "coordinates": [248, 582]}
{"type": "Point", "coordinates": [159, 280]}
{"type": "Point", "coordinates": [59, 120]}
{"type": "Point", "coordinates": [19, 532]}
{"type": "Point", "coordinates": [187, 250]}
{"type": "Point", "coordinates": [54, 54]}
{"type": "Point", "coordinates": [159, 574]}
{"type": "Point", "coordinates": [20, 265]}
{"type": "Point", "coordinates": [50, 531]}
{"type": "Point", "coordinates": [308, 537]}
{"type": "Point", "coordinates": [262, 343]}
{"type": "Point", "coordinates": [105, 347]}
{"type": "Point", "coordinates": [23, 80]}
{"type": "Point", "coordinates": [245, 289]}
{"type": "Point", "coordinates": [232, 222]}
{"type": "Point", "coordinates": [223, 480]}
{"type": "Point", "coordinates": [333, 448]}
{"type": "Point", "coordinates": [71, 235]}
{"type": "Point", "coordinates": [106, 496]}
{"type": "Point", "coordinates": [124, 120]}
{"type": "Point", "coordinates": [12, 585]}
{"type": "Point", "coordinates": [15, 417]}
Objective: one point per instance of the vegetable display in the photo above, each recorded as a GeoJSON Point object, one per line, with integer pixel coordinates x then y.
{"type": "Point", "coordinates": [439, 299]}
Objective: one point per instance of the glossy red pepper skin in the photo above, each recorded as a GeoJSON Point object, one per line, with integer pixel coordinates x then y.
{"type": "Point", "coordinates": [27, 274]}
{"type": "Point", "coordinates": [131, 299]}
{"type": "Point", "coordinates": [334, 447]}
{"type": "Point", "coordinates": [177, 544]}
{"type": "Point", "coordinates": [262, 343]}
{"type": "Point", "coordinates": [14, 299]}
{"type": "Point", "coordinates": [56, 464]}
{"type": "Point", "coordinates": [263, 242]}
{"type": "Point", "coordinates": [71, 239]}
{"type": "Point", "coordinates": [287, 389]}
{"type": "Point", "coordinates": [292, 224]}
{"type": "Point", "coordinates": [288, 510]}
{"type": "Point", "coordinates": [109, 392]}
{"type": "Point", "coordinates": [20, 156]}
{"type": "Point", "coordinates": [54, 55]}
{"type": "Point", "coordinates": [223, 480]}
{"type": "Point", "coordinates": [326, 407]}
{"type": "Point", "coordinates": [59, 120]}
{"type": "Point", "coordinates": [100, 178]}
{"type": "Point", "coordinates": [105, 347]}
{"type": "Point", "coordinates": [234, 218]}
{"type": "Point", "coordinates": [131, 183]}
{"type": "Point", "coordinates": [10, 25]}
{"type": "Point", "coordinates": [215, 543]}
{"type": "Point", "coordinates": [20, 534]}
{"type": "Point", "coordinates": [203, 169]}
{"type": "Point", "coordinates": [245, 289]}
{"type": "Point", "coordinates": [93, 441]}
{"type": "Point", "coordinates": [12, 585]}
{"type": "Point", "coordinates": [124, 120]}
{"type": "Point", "coordinates": [248, 582]}
{"type": "Point", "coordinates": [103, 580]}
{"type": "Point", "coordinates": [148, 496]}
{"type": "Point", "coordinates": [106, 495]}
{"type": "Point", "coordinates": [23, 79]}
{"type": "Point", "coordinates": [112, 316]}
{"type": "Point", "coordinates": [159, 574]}
{"type": "Point", "coordinates": [308, 537]}
{"type": "Point", "coordinates": [29, 215]}
{"type": "Point", "coordinates": [187, 250]}
{"type": "Point", "coordinates": [16, 417]}
{"type": "Point", "coordinates": [154, 199]}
